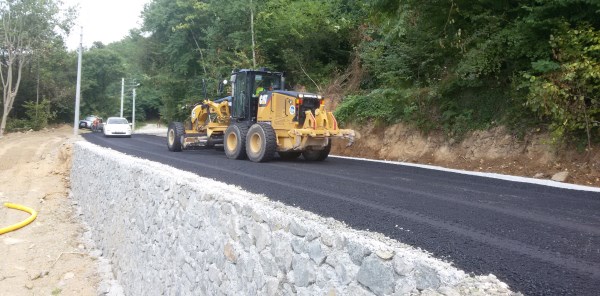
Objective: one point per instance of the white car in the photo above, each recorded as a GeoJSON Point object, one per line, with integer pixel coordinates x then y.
{"type": "Point", "coordinates": [117, 126]}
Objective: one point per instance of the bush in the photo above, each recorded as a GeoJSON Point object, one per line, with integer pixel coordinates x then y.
{"type": "Point", "coordinates": [566, 91]}
{"type": "Point", "coordinates": [425, 108]}
{"type": "Point", "coordinates": [381, 105]}
{"type": "Point", "coordinates": [17, 125]}
{"type": "Point", "coordinates": [39, 114]}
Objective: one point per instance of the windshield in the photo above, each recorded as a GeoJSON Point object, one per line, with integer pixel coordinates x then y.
{"type": "Point", "coordinates": [266, 82]}
{"type": "Point", "coordinates": [117, 121]}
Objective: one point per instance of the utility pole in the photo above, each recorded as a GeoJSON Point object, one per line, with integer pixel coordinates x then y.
{"type": "Point", "coordinates": [78, 90]}
{"type": "Point", "coordinates": [37, 88]}
{"type": "Point", "coordinates": [122, 94]}
{"type": "Point", "coordinates": [252, 29]}
{"type": "Point", "coordinates": [133, 113]}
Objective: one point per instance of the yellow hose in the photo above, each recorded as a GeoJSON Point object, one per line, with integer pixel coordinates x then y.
{"type": "Point", "coordinates": [22, 223]}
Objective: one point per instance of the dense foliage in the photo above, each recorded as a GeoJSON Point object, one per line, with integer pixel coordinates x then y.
{"type": "Point", "coordinates": [459, 65]}
{"type": "Point", "coordinates": [448, 65]}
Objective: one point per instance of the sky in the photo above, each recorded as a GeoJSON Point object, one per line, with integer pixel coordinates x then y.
{"type": "Point", "coordinates": [104, 20]}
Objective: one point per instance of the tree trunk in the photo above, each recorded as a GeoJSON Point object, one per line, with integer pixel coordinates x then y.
{"type": "Point", "coordinates": [6, 95]}
{"type": "Point", "coordinates": [3, 123]}
{"type": "Point", "coordinates": [10, 90]}
{"type": "Point", "coordinates": [252, 29]}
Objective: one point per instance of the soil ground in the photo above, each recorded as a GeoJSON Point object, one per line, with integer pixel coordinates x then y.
{"type": "Point", "coordinates": [49, 257]}
{"type": "Point", "coordinates": [46, 257]}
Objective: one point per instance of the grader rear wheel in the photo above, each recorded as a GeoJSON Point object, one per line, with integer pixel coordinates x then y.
{"type": "Point", "coordinates": [261, 142]}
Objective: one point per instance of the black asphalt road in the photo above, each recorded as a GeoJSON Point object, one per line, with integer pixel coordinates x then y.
{"type": "Point", "coordinates": [540, 240]}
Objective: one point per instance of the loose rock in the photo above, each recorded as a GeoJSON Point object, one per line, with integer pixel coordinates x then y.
{"type": "Point", "coordinates": [560, 177]}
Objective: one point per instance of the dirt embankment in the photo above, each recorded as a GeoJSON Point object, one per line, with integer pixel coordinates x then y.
{"type": "Point", "coordinates": [47, 256]}
{"type": "Point", "coordinates": [494, 151]}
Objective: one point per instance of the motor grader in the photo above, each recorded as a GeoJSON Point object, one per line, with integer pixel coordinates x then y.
{"type": "Point", "coordinates": [258, 120]}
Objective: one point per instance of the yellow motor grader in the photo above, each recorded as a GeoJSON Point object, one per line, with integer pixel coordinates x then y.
{"type": "Point", "coordinates": [259, 119]}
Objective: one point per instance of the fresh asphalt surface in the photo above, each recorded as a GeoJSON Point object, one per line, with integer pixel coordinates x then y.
{"type": "Point", "coordinates": [540, 240]}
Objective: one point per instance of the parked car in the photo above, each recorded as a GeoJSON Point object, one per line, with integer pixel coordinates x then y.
{"type": "Point", "coordinates": [117, 126]}
{"type": "Point", "coordinates": [87, 122]}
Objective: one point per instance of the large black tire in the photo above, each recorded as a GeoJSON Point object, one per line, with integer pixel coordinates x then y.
{"type": "Point", "coordinates": [174, 134]}
{"type": "Point", "coordinates": [289, 155]}
{"type": "Point", "coordinates": [261, 142]}
{"type": "Point", "coordinates": [318, 155]}
{"type": "Point", "coordinates": [234, 143]}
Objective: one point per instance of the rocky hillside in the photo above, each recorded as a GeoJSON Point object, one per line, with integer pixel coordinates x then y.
{"type": "Point", "coordinates": [493, 151]}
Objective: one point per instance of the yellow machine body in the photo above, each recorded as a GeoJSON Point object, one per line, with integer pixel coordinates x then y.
{"type": "Point", "coordinates": [258, 120]}
{"type": "Point", "coordinates": [208, 119]}
{"type": "Point", "coordinates": [281, 110]}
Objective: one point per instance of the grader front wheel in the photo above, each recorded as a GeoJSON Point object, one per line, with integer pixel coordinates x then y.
{"type": "Point", "coordinates": [235, 141]}
{"type": "Point", "coordinates": [174, 134]}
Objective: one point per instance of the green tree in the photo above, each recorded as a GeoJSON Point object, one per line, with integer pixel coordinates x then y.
{"type": "Point", "coordinates": [101, 81]}
{"type": "Point", "coordinates": [49, 76]}
{"type": "Point", "coordinates": [58, 79]}
{"type": "Point", "coordinates": [309, 40]}
{"type": "Point", "coordinates": [27, 25]}
{"type": "Point", "coordinates": [566, 89]}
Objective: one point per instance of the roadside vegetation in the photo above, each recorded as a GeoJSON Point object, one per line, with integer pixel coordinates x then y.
{"type": "Point", "coordinates": [451, 66]}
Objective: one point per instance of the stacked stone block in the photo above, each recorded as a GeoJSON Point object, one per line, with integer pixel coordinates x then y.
{"type": "Point", "coordinates": [169, 232]}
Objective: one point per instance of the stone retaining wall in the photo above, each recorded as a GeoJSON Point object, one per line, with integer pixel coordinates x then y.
{"type": "Point", "coordinates": [170, 232]}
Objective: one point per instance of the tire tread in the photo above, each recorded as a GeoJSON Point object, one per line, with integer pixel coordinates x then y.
{"type": "Point", "coordinates": [179, 130]}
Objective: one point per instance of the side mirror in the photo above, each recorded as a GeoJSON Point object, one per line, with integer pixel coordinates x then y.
{"type": "Point", "coordinates": [222, 86]}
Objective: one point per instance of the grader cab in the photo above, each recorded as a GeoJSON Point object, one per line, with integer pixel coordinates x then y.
{"type": "Point", "coordinates": [259, 119]}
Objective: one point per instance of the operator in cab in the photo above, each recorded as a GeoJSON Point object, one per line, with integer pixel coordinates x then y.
{"type": "Point", "coordinates": [264, 85]}
{"type": "Point", "coordinates": [259, 89]}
